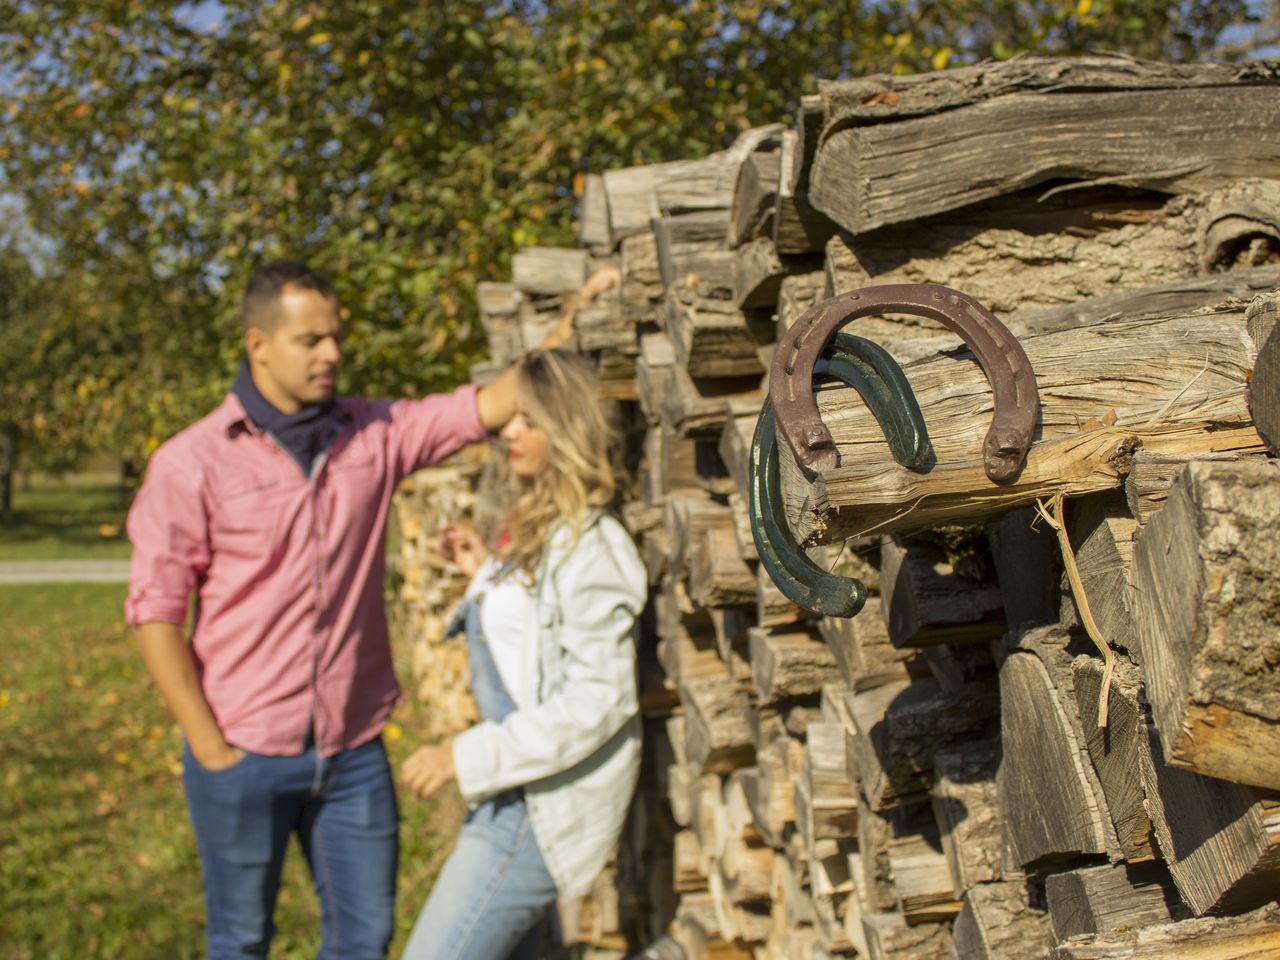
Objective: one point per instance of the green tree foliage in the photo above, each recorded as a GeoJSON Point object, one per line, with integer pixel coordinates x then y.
{"type": "Point", "coordinates": [407, 148]}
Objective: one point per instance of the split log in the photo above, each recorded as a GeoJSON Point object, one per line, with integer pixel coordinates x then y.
{"type": "Point", "coordinates": [642, 289]}
{"type": "Point", "coordinates": [1206, 603]}
{"type": "Point", "coordinates": [697, 931]}
{"type": "Point", "coordinates": [653, 373]}
{"type": "Point", "coordinates": [1264, 389]}
{"type": "Point", "coordinates": [693, 242]}
{"type": "Point", "coordinates": [1025, 553]}
{"type": "Point", "coordinates": [705, 267]}
{"type": "Point", "coordinates": [796, 294]}
{"type": "Point", "coordinates": [826, 804]}
{"type": "Point", "coordinates": [1220, 839]}
{"type": "Point", "coordinates": [758, 272]}
{"type": "Point", "coordinates": [689, 514]}
{"type": "Point", "coordinates": [1152, 474]}
{"type": "Point", "coordinates": [789, 663]}
{"type": "Point", "coordinates": [1037, 120]}
{"type": "Point", "coordinates": [966, 806]}
{"type": "Point", "coordinates": [603, 326]}
{"type": "Point", "coordinates": [863, 652]}
{"type": "Point", "coordinates": [999, 922]}
{"type": "Point", "coordinates": [549, 270]}
{"type": "Point", "coordinates": [1167, 384]}
{"type": "Point", "coordinates": [741, 414]}
{"type": "Point", "coordinates": [638, 195]}
{"type": "Point", "coordinates": [889, 937]}
{"type": "Point", "coordinates": [1068, 262]}
{"type": "Point", "coordinates": [1053, 805]}
{"type": "Point", "coordinates": [1101, 900]}
{"type": "Point", "coordinates": [1254, 935]}
{"type": "Point", "coordinates": [718, 576]}
{"type": "Point", "coordinates": [1163, 299]}
{"type": "Point", "coordinates": [1118, 749]}
{"type": "Point", "coordinates": [773, 608]}
{"type": "Point", "coordinates": [922, 878]}
{"type": "Point", "coordinates": [717, 738]}
{"type": "Point", "coordinates": [754, 197]}
{"type": "Point", "coordinates": [593, 215]}
{"type": "Point", "coordinates": [899, 728]}
{"type": "Point", "coordinates": [1101, 533]}
{"type": "Point", "coordinates": [698, 407]}
{"type": "Point", "coordinates": [712, 337]}
{"type": "Point", "coordinates": [768, 790]}
{"type": "Point", "coordinates": [926, 600]}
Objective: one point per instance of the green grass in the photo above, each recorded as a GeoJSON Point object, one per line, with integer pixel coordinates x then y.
{"type": "Point", "coordinates": [80, 517]}
{"type": "Point", "coordinates": [97, 858]}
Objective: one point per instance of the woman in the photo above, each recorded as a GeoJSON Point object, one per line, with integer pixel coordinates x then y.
{"type": "Point", "coordinates": [549, 772]}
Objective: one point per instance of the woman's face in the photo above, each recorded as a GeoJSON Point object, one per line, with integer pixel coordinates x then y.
{"type": "Point", "coordinates": [527, 445]}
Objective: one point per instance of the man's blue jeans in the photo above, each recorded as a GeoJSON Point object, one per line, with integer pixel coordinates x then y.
{"type": "Point", "coordinates": [343, 810]}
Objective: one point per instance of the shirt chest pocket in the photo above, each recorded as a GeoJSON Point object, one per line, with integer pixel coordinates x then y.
{"type": "Point", "coordinates": [250, 518]}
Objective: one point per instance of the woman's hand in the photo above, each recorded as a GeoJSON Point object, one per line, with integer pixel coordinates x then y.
{"type": "Point", "coordinates": [428, 769]}
{"type": "Point", "coordinates": [462, 545]}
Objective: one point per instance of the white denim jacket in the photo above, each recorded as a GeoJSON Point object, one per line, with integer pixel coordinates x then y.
{"type": "Point", "coordinates": [573, 741]}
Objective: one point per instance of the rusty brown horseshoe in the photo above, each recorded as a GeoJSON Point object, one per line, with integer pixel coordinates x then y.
{"type": "Point", "coordinates": [1002, 358]}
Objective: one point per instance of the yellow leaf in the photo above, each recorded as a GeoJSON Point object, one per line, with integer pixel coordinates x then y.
{"type": "Point", "coordinates": [316, 39]}
{"type": "Point", "coordinates": [393, 731]}
{"type": "Point", "coordinates": [122, 758]}
{"type": "Point", "coordinates": [1083, 8]}
{"type": "Point", "coordinates": [283, 74]}
{"type": "Point", "coordinates": [303, 21]}
{"type": "Point", "coordinates": [108, 530]}
{"type": "Point", "coordinates": [4, 698]}
{"type": "Point", "coordinates": [941, 59]}
{"type": "Point", "coordinates": [363, 57]}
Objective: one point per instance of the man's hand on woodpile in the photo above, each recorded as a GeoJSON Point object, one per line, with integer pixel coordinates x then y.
{"type": "Point", "coordinates": [428, 769]}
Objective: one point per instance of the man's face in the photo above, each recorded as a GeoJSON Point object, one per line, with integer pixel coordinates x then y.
{"type": "Point", "coordinates": [297, 363]}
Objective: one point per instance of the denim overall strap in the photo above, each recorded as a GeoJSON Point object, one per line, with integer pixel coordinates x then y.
{"type": "Point", "coordinates": [492, 698]}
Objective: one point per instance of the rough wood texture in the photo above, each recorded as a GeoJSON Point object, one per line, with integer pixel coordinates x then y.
{"type": "Point", "coordinates": [1254, 936]}
{"type": "Point", "coordinates": [966, 805]}
{"type": "Point", "coordinates": [718, 576]}
{"type": "Point", "coordinates": [1264, 392]}
{"type": "Point", "coordinates": [717, 737]}
{"type": "Point", "coordinates": [1053, 804]}
{"type": "Point", "coordinates": [797, 226]}
{"type": "Point", "coordinates": [638, 195]}
{"type": "Point", "coordinates": [1220, 839]}
{"type": "Point", "coordinates": [922, 878]}
{"type": "Point", "coordinates": [735, 440]}
{"type": "Point", "coordinates": [549, 270]}
{"type": "Point", "coordinates": [889, 937]}
{"type": "Point", "coordinates": [789, 663]}
{"type": "Point", "coordinates": [998, 922]}
{"type": "Point", "coordinates": [1025, 554]}
{"type": "Point", "coordinates": [925, 600]}
{"type": "Point", "coordinates": [758, 272]}
{"type": "Point", "coordinates": [1152, 474]}
{"type": "Point", "coordinates": [1119, 749]}
{"type": "Point", "coordinates": [796, 294]}
{"type": "Point", "coordinates": [653, 373]}
{"type": "Point", "coordinates": [863, 652]}
{"type": "Point", "coordinates": [1206, 604]}
{"type": "Point", "coordinates": [1168, 384]}
{"type": "Point", "coordinates": [593, 215]}
{"type": "Point", "coordinates": [698, 407]}
{"type": "Point", "coordinates": [712, 337]}
{"type": "Point", "coordinates": [1101, 533]}
{"type": "Point", "coordinates": [899, 728]}
{"type": "Point", "coordinates": [754, 197]}
{"type": "Point", "coordinates": [1112, 897]}
{"type": "Point", "coordinates": [831, 804]}
{"type": "Point", "coordinates": [896, 149]}
{"type": "Point", "coordinates": [1067, 262]}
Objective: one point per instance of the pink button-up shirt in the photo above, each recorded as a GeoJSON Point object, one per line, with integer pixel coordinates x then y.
{"type": "Point", "coordinates": [290, 629]}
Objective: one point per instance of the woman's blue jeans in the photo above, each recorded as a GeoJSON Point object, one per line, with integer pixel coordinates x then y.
{"type": "Point", "coordinates": [490, 901]}
{"type": "Point", "coordinates": [343, 810]}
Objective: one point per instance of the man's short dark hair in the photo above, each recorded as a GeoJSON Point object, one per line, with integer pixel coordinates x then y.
{"type": "Point", "coordinates": [260, 305]}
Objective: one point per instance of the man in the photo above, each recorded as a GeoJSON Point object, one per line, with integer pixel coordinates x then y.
{"type": "Point", "coordinates": [272, 510]}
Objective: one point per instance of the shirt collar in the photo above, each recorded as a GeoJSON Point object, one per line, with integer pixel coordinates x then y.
{"type": "Point", "coordinates": [230, 415]}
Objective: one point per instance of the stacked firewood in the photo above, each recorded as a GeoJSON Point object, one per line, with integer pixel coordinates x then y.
{"type": "Point", "coordinates": [1053, 729]}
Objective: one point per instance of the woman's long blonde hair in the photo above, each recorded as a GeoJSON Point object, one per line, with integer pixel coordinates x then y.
{"type": "Point", "coordinates": [560, 393]}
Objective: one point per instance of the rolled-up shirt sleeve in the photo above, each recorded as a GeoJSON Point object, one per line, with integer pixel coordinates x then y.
{"type": "Point", "coordinates": [169, 529]}
{"type": "Point", "coordinates": [427, 430]}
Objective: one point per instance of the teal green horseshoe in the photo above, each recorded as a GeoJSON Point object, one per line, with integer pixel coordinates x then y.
{"type": "Point", "coordinates": [879, 380]}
